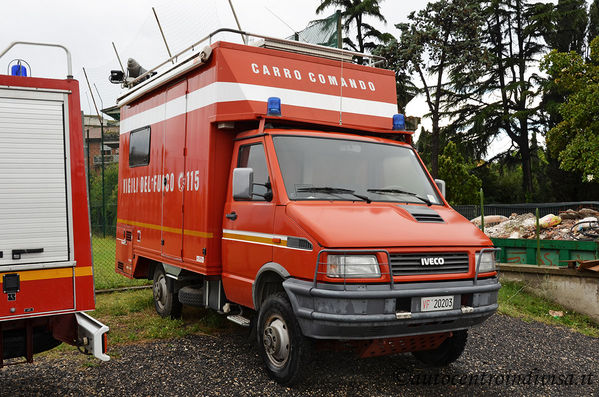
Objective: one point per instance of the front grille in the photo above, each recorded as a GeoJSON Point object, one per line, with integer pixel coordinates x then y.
{"type": "Point", "coordinates": [411, 264]}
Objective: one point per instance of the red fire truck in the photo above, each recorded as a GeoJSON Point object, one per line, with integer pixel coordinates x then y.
{"type": "Point", "coordinates": [46, 274]}
{"type": "Point", "coordinates": [274, 183]}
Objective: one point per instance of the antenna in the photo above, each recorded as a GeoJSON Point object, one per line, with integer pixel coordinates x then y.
{"type": "Point", "coordinates": [245, 40]}
{"type": "Point", "coordinates": [280, 19]}
{"type": "Point", "coordinates": [89, 105]}
{"type": "Point", "coordinates": [101, 101]}
{"type": "Point", "coordinates": [92, 95]}
{"type": "Point", "coordinates": [118, 57]}
{"type": "Point", "coordinates": [101, 120]}
{"type": "Point", "coordinates": [162, 33]}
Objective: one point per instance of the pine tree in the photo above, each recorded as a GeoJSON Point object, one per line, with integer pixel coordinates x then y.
{"type": "Point", "coordinates": [440, 42]}
{"type": "Point", "coordinates": [568, 29]}
{"type": "Point", "coordinates": [506, 99]}
{"type": "Point", "coordinates": [593, 30]}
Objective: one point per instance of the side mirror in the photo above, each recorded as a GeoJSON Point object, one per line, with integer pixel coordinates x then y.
{"type": "Point", "coordinates": [243, 183]}
{"type": "Point", "coordinates": [441, 185]}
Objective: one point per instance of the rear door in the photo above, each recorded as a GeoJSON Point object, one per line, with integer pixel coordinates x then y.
{"type": "Point", "coordinates": [34, 207]}
{"type": "Point", "coordinates": [35, 212]}
{"type": "Point", "coordinates": [173, 166]}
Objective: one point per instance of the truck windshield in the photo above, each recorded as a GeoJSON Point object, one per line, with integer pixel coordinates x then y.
{"type": "Point", "coordinates": [341, 169]}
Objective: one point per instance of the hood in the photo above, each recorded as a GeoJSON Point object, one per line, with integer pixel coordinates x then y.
{"type": "Point", "coordinates": [381, 225]}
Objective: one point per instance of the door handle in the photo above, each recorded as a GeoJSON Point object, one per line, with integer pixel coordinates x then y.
{"type": "Point", "coordinates": [232, 216]}
{"type": "Point", "coordinates": [16, 254]}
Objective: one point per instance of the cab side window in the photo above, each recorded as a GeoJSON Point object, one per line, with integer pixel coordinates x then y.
{"type": "Point", "coordinates": [139, 147]}
{"type": "Point", "coordinates": [252, 156]}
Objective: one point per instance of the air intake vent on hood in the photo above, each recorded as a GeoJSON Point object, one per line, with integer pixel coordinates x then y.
{"type": "Point", "coordinates": [423, 214]}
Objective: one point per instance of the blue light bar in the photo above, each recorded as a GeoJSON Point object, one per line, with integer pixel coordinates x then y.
{"type": "Point", "coordinates": [273, 107]}
{"type": "Point", "coordinates": [18, 70]}
{"type": "Point", "coordinates": [399, 122]}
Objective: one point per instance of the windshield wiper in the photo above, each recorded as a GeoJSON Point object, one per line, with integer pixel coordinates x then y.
{"type": "Point", "coordinates": [399, 191]}
{"type": "Point", "coordinates": [333, 191]}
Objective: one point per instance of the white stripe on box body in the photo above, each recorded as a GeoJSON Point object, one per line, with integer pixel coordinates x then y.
{"type": "Point", "coordinates": [230, 92]}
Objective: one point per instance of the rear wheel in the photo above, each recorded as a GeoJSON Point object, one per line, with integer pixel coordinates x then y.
{"type": "Point", "coordinates": [283, 348]}
{"type": "Point", "coordinates": [165, 300]}
{"type": "Point", "coordinates": [450, 350]}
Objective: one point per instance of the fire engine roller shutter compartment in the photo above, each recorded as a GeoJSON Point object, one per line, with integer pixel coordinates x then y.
{"type": "Point", "coordinates": [33, 183]}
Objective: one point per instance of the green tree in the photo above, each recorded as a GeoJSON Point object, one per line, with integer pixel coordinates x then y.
{"type": "Point", "coordinates": [501, 180]}
{"type": "Point", "coordinates": [405, 88]}
{"type": "Point", "coordinates": [593, 30]}
{"type": "Point", "coordinates": [462, 185]}
{"type": "Point", "coordinates": [575, 140]}
{"type": "Point", "coordinates": [568, 28]}
{"type": "Point", "coordinates": [506, 99]}
{"type": "Point", "coordinates": [111, 179]}
{"type": "Point", "coordinates": [440, 42]}
{"type": "Point", "coordinates": [354, 13]}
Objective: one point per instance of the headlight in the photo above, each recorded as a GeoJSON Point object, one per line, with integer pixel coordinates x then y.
{"type": "Point", "coordinates": [487, 261]}
{"type": "Point", "coordinates": [353, 266]}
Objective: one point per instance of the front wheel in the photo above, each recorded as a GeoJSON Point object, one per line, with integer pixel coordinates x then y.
{"type": "Point", "coordinates": [450, 350]}
{"type": "Point", "coordinates": [165, 300]}
{"type": "Point", "coordinates": [283, 348]}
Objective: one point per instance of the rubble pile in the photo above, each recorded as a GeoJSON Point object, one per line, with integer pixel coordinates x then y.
{"type": "Point", "coordinates": [568, 225]}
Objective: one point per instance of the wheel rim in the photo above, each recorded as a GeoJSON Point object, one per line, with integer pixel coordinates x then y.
{"type": "Point", "coordinates": [275, 339]}
{"type": "Point", "coordinates": [160, 291]}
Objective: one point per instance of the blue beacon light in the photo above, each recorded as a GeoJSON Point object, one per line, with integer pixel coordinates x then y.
{"type": "Point", "coordinates": [273, 107]}
{"type": "Point", "coordinates": [18, 70]}
{"type": "Point", "coordinates": [399, 122]}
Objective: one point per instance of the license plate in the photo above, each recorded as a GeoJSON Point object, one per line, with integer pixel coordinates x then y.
{"type": "Point", "coordinates": [430, 304]}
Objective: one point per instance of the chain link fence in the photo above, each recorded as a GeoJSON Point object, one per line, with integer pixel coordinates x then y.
{"type": "Point", "coordinates": [101, 156]}
{"type": "Point", "coordinates": [473, 211]}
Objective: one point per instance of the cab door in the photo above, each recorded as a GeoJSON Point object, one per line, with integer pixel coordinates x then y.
{"type": "Point", "coordinates": [247, 226]}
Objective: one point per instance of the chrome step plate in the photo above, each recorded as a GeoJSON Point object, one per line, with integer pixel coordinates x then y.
{"type": "Point", "coordinates": [239, 319]}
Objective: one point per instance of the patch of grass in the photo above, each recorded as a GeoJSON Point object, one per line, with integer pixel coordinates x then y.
{"type": "Point", "coordinates": [516, 301]}
{"type": "Point", "coordinates": [132, 318]}
{"type": "Point", "coordinates": [104, 258]}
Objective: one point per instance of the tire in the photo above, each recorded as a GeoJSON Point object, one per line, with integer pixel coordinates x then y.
{"type": "Point", "coordinates": [450, 350]}
{"type": "Point", "coordinates": [283, 348]}
{"type": "Point", "coordinates": [165, 300]}
{"type": "Point", "coordinates": [252, 331]}
{"type": "Point", "coordinates": [15, 344]}
{"type": "Point", "coordinates": [192, 295]}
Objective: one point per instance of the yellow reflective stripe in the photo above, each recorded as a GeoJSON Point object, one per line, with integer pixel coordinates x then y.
{"type": "Point", "coordinates": [167, 229]}
{"type": "Point", "coordinates": [196, 233]}
{"type": "Point", "coordinates": [255, 239]}
{"type": "Point", "coordinates": [48, 274]}
{"type": "Point", "coordinates": [84, 271]}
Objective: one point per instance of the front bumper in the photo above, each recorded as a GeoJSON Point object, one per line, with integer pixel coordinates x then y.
{"type": "Point", "coordinates": [367, 311]}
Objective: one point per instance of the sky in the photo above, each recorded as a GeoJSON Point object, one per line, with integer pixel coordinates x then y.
{"type": "Point", "coordinates": [89, 27]}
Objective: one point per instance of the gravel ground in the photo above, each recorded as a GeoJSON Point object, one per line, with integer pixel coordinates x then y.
{"type": "Point", "coordinates": [227, 365]}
